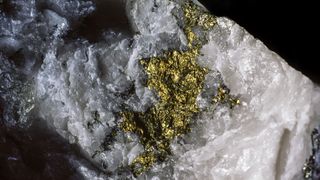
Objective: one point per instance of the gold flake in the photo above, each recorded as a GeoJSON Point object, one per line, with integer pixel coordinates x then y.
{"type": "Point", "coordinates": [223, 96]}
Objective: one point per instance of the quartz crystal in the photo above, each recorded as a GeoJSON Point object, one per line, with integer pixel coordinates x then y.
{"type": "Point", "coordinates": [237, 111]}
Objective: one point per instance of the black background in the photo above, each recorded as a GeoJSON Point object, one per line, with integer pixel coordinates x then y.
{"type": "Point", "coordinates": [287, 27]}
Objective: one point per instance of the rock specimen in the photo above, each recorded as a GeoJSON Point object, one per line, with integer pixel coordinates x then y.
{"type": "Point", "coordinates": [189, 96]}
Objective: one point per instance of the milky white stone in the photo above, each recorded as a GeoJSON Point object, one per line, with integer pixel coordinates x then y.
{"type": "Point", "coordinates": [267, 136]}
{"type": "Point", "coordinates": [85, 78]}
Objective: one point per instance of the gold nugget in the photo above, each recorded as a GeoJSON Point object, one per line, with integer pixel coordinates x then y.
{"type": "Point", "coordinates": [178, 80]}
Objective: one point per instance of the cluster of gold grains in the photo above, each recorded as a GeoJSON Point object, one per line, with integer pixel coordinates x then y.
{"type": "Point", "coordinates": [178, 80]}
{"type": "Point", "coordinates": [195, 16]}
{"type": "Point", "coordinates": [223, 96]}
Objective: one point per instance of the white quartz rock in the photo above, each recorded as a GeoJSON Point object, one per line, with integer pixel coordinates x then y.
{"type": "Point", "coordinates": [85, 80]}
{"type": "Point", "coordinates": [267, 136]}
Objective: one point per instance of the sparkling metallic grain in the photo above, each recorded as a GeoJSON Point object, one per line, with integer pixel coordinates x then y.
{"type": "Point", "coordinates": [223, 96]}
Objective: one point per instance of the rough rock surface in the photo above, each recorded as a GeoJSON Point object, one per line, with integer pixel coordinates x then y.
{"type": "Point", "coordinates": [269, 133]}
{"type": "Point", "coordinates": [81, 88]}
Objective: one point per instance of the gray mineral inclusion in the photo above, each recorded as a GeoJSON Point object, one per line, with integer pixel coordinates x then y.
{"type": "Point", "coordinates": [77, 87]}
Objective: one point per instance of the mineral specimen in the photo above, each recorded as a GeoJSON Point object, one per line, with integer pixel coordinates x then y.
{"type": "Point", "coordinates": [187, 96]}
